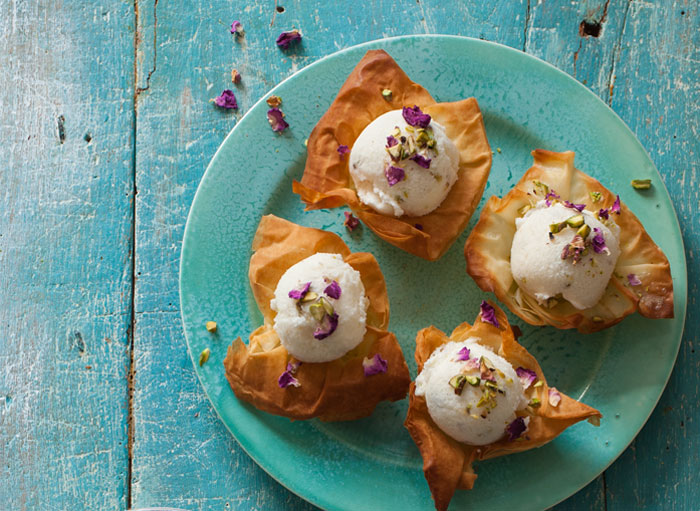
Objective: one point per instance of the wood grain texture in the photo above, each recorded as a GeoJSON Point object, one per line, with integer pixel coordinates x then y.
{"type": "Point", "coordinates": [65, 253]}
{"type": "Point", "coordinates": [138, 78]}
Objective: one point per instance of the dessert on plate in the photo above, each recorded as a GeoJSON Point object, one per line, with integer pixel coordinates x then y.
{"type": "Point", "coordinates": [413, 170]}
{"type": "Point", "coordinates": [479, 394]}
{"type": "Point", "coordinates": [561, 249]}
{"type": "Point", "coordinates": [323, 350]}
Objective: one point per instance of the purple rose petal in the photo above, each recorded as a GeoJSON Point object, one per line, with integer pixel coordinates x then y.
{"type": "Point", "coordinates": [554, 397]}
{"type": "Point", "coordinates": [616, 205]}
{"type": "Point", "coordinates": [287, 38]}
{"type": "Point", "coordinates": [463, 354]}
{"type": "Point", "coordinates": [374, 365]}
{"type": "Point", "coordinates": [298, 294]}
{"type": "Point", "coordinates": [577, 207]}
{"type": "Point", "coordinates": [237, 28]}
{"type": "Point", "coordinates": [394, 175]}
{"type": "Point", "coordinates": [276, 119]}
{"type": "Point", "coordinates": [473, 364]}
{"type": "Point", "coordinates": [286, 378]}
{"type": "Point", "coordinates": [488, 314]}
{"type": "Point", "coordinates": [604, 214]}
{"type": "Point", "coordinates": [633, 280]}
{"type": "Point", "coordinates": [343, 149]}
{"type": "Point", "coordinates": [391, 141]}
{"type": "Point", "coordinates": [333, 290]}
{"type": "Point", "coordinates": [328, 326]}
{"type": "Point", "coordinates": [598, 242]}
{"type": "Point", "coordinates": [516, 428]}
{"type": "Point", "coordinates": [226, 100]}
{"type": "Point", "coordinates": [351, 222]}
{"type": "Point", "coordinates": [550, 195]}
{"type": "Point", "coordinates": [422, 161]}
{"type": "Point", "coordinates": [527, 376]}
{"type": "Point", "coordinates": [414, 117]}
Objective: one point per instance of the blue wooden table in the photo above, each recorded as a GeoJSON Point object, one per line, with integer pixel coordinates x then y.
{"type": "Point", "coordinates": [106, 129]}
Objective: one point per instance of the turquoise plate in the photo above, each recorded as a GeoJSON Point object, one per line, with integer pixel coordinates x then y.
{"type": "Point", "coordinates": [372, 463]}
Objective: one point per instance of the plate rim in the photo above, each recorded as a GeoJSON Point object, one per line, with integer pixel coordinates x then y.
{"type": "Point", "coordinates": [373, 44]}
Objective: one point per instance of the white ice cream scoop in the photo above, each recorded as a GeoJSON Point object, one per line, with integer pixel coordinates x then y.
{"type": "Point", "coordinates": [475, 410]}
{"type": "Point", "coordinates": [543, 265]}
{"type": "Point", "coordinates": [393, 179]}
{"type": "Point", "coordinates": [321, 308]}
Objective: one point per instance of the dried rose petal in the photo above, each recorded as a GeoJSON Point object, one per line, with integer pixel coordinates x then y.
{"type": "Point", "coordinates": [226, 100]}
{"type": "Point", "coordinates": [527, 376]}
{"type": "Point", "coordinates": [554, 396]}
{"type": "Point", "coordinates": [516, 428]}
{"type": "Point", "coordinates": [463, 354]}
{"type": "Point", "coordinates": [391, 141]}
{"type": "Point", "coordinates": [550, 195]}
{"type": "Point", "coordinates": [237, 28]}
{"type": "Point", "coordinates": [351, 222]}
{"type": "Point", "coordinates": [235, 76]}
{"type": "Point", "coordinates": [276, 119]}
{"type": "Point", "coordinates": [634, 280]}
{"type": "Point", "coordinates": [415, 117]}
{"type": "Point", "coordinates": [616, 205]}
{"type": "Point", "coordinates": [286, 378]}
{"type": "Point", "coordinates": [422, 161]}
{"type": "Point", "coordinates": [333, 290]}
{"type": "Point", "coordinates": [598, 242]}
{"type": "Point", "coordinates": [328, 326]}
{"type": "Point", "coordinates": [488, 314]}
{"type": "Point", "coordinates": [394, 175]}
{"type": "Point", "coordinates": [287, 38]}
{"type": "Point", "coordinates": [374, 365]}
{"type": "Point", "coordinates": [603, 213]}
{"type": "Point", "coordinates": [343, 149]}
{"type": "Point", "coordinates": [298, 294]}
{"type": "Point", "coordinates": [577, 207]}
{"type": "Point", "coordinates": [473, 364]}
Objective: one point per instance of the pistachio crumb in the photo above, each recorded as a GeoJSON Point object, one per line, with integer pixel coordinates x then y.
{"type": "Point", "coordinates": [211, 326]}
{"type": "Point", "coordinates": [387, 94]}
{"type": "Point", "coordinates": [204, 356]}
{"type": "Point", "coordinates": [641, 184]}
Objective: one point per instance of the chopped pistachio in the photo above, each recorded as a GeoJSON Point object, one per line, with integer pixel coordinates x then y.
{"type": "Point", "coordinates": [595, 196]}
{"type": "Point", "coordinates": [575, 221]}
{"type": "Point", "coordinates": [597, 319]}
{"type": "Point", "coordinates": [534, 402]}
{"type": "Point", "coordinates": [410, 129]}
{"type": "Point", "coordinates": [498, 149]}
{"type": "Point", "coordinates": [524, 209]}
{"type": "Point", "coordinates": [541, 187]}
{"type": "Point", "coordinates": [395, 152]}
{"type": "Point", "coordinates": [555, 228]}
{"type": "Point", "coordinates": [473, 381]}
{"type": "Point", "coordinates": [317, 311]}
{"type": "Point", "coordinates": [431, 145]}
{"type": "Point", "coordinates": [491, 385]}
{"type": "Point", "coordinates": [396, 132]}
{"type": "Point", "coordinates": [584, 231]}
{"type": "Point", "coordinates": [538, 384]}
{"type": "Point", "coordinates": [309, 297]}
{"type": "Point", "coordinates": [326, 306]}
{"type": "Point", "coordinates": [484, 399]}
{"type": "Point", "coordinates": [641, 184]}
{"type": "Point", "coordinates": [457, 383]}
{"type": "Point", "coordinates": [387, 94]}
{"type": "Point", "coordinates": [306, 142]}
{"type": "Point", "coordinates": [211, 326]}
{"type": "Point", "coordinates": [204, 356]}
{"type": "Point", "coordinates": [411, 144]}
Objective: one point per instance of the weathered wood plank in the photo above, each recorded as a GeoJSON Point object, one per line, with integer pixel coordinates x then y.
{"type": "Point", "coordinates": [65, 253]}
{"type": "Point", "coordinates": [655, 90]}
